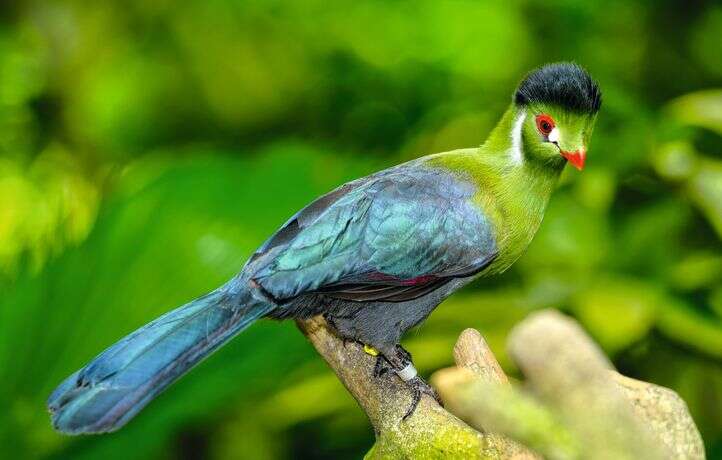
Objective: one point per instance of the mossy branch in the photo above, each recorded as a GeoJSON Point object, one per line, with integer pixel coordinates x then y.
{"type": "Point", "coordinates": [573, 404]}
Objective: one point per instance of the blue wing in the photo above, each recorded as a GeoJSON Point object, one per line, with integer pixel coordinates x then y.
{"type": "Point", "coordinates": [392, 236]}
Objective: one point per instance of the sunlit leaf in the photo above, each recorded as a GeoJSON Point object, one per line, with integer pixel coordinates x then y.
{"type": "Point", "coordinates": [703, 109]}
{"type": "Point", "coordinates": [706, 189]}
{"type": "Point", "coordinates": [617, 312]}
{"type": "Point", "coordinates": [687, 326]}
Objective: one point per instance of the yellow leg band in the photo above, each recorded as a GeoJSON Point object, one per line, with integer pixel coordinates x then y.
{"type": "Point", "coordinates": [371, 350]}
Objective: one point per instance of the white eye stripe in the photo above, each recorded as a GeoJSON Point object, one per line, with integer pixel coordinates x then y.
{"type": "Point", "coordinates": [554, 135]}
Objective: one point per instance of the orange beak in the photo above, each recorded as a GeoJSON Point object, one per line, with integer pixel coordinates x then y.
{"type": "Point", "coordinates": [576, 157]}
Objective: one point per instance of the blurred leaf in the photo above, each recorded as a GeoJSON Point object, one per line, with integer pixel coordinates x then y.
{"type": "Point", "coordinates": [705, 38]}
{"type": "Point", "coordinates": [596, 188]}
{"type": "Point", "coordinates": [572, 238]}
{"type": "Point", "coordinates": [715, 300]}
{"type": "Point", "coordinates": [245, 438]}
{"type": "Point", "coordinates": [43, 208]}
{"type": "Point", "coordinates": [703, 109]}
{"type": "Point", "coordinates": [649, 239]}
{"type": "Point", "coordinates": [676, 160]}
{"type": "Point", "coordinates": [617, 311]}
{"type": "Point", "coordinates": [706, 190]}
{"type": "Point", "coordinates": [698, 270]}
{"type": "Point", "coordinates": [685, 325]}
{"type": "Point", "coordinates": [312, 398]}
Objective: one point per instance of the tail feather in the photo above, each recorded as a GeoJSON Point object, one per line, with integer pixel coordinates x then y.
{"type": "Point", "coordinates": [118, 383]}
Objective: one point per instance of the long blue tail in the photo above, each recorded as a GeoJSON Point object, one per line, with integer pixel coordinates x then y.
{"type": "Point", "coordinates": [118, 383]}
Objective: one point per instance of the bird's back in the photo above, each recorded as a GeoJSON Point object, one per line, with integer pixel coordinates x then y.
{"type": "Point", "coordinates": [389, 236]}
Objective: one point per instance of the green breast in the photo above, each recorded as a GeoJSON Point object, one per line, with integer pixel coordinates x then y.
{"type": "Point", "coordinates": [513, 197]}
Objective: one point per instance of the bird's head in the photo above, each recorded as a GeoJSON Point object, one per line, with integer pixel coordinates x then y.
{"type": "Point", "coordinates": [557, 106]}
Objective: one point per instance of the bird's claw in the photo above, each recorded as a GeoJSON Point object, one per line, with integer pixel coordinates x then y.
{"type": "Point", "coordinates": [346, 341]}
{"type": "Point", "coordinates": [381, 366]}
{"type": "Point", "coordinates": [403, 353]}
{"type": "Point", "coordinates": [417, 385]}
{"type": "Point", "coordinates": [419, 388]}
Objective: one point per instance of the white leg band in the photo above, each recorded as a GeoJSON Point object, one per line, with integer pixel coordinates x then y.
{"type": "Point", "coordinates": [407, 373]}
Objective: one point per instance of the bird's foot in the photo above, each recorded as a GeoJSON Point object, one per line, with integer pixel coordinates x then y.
{"type": "Point", "coordinates": [346, 341]}
{"type": "Point", "coordinates": [381, 367]}
{"type": "Point", "coordinates": [384, 365]}
{"type": "Point", "coordinates": [418, 389]}
{"type": "Point", "coordinates": [403, 354]}
{"type": "Point", "coordinates": [400, 363]}
{"type": "Point", "coordinates": [417, 385]}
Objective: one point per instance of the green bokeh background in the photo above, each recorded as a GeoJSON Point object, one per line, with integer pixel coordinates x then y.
{"type": "Point", "coordinates": [148, 147]}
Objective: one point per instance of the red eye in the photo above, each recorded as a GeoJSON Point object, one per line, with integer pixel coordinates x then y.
{"type": "Point", "coordinates": [544, 124]}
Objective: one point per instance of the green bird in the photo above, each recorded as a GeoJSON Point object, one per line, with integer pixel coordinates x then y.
{"type": "Point", "coordinates": [374, 257]}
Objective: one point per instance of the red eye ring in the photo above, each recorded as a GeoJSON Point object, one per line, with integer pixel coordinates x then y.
{"type": "Point", "coordinates": [545, 124]}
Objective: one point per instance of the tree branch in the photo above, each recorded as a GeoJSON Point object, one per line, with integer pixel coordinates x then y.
{"type": "Point", "coordinates": [574, 405]}
{"type": "Point", "coordinates": [431, 432]}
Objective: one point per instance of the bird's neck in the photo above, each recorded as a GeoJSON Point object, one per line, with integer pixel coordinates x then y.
{"type": "Point", "coordinates": [513, 187]}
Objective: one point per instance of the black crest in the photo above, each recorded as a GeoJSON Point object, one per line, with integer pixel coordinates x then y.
{"type": "Point", "coordinates": [565, 84]}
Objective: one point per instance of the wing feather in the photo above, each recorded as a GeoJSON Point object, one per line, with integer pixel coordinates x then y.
{"type": "Point", "coordinates": [394, 236]}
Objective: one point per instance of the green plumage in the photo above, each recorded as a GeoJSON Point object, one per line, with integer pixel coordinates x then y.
{"type": "Point", "coordinates": [513, 194]}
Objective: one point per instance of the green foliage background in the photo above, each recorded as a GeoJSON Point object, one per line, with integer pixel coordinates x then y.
{"type": "Point", "coordinates": [147, 147]}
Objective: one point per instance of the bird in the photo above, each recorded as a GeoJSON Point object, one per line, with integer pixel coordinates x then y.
{"type": "Point", "coordinates": [375, 256]}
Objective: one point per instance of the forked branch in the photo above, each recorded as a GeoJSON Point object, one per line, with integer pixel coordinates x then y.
{"type": "Point", "coordinates": [573, 405]}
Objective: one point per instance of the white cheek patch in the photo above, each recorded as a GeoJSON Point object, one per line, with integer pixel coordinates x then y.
{"type": "Point", "coordinates": [516, 153]}
{"type": "Point", "coordinates": [554, 135]}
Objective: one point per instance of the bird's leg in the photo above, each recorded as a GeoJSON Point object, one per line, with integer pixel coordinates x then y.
{"type": "Point", "coordinates": [419, 388]}
{"type": "Point", "coordinates": [403, 353]}
{"type": "Point", "coordinates": [399, 360]}
{"type": "Point", "coordinates": [345, 339]}
{"type": "Point", "coordinates": [382, 365]}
